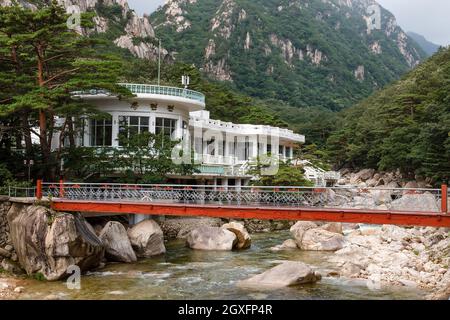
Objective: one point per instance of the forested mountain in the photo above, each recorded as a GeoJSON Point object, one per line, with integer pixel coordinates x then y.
{"type": "Point", "coordinates": [305, 52]}
{"type": "Point", "coordinates": [429, 47]}
{"type": "Point", "coordinates": [406, 126]}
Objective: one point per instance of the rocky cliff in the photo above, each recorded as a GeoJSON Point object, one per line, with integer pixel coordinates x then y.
{"type": "Point", "coordinates": [306, 52]}
{"type": "Point", "coordinates": [114, 20]}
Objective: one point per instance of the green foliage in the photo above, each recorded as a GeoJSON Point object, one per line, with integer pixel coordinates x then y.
{"type": "Point", "coordinates": [44, 63]}
{"type": "Point", "coordinates": [264, 71]}
{"type": "Point", "coordinates": [284, 174]}
{"type": "Point", "coordinates": [147, 158]}
{"type": "Point", "coordinates": [405, 126]}
{"type": "Point", "coordinates": [223, 103]}
{"type": "Point", "coordinates": [39, 276]}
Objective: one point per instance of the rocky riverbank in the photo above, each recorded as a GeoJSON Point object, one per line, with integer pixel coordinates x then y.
{"type": "Point", "coordinates": [42, 243]}
{"type": "Point", "coordinates": [369, 178]}
{"type": "Point", "coordinates": [381, 255]}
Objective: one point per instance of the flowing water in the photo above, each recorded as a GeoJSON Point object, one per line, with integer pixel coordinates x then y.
{"type": "Point", "coordinates": [187, 274]}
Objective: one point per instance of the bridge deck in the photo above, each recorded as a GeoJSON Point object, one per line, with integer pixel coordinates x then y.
{"type": "Point", "coordinates": [431, 219]}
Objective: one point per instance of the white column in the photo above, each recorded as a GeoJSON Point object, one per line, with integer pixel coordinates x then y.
{"type": "Point", "coordinates": [152, 128]}
{"type": "Point", "coordinates": [87, 133]}
{"type": "Point", "coordinates": [284, 152]}
{"type": "Point", "coordinates": [262, 145]}
{"type": "Point", "coordinates": [179, 134]}
{"type": "Point", "coordinates": [238, 184]}
{"type": "Point", "coordinates": [225, 183]}
{"type": "Point", "coordinates": [139, 218]}
{"type": "Point", "coordinates": [115, 130]}
{"type": "Point", "coordinates": [292, 152]}
{"type": "Point", "coordinates": [253, 139]}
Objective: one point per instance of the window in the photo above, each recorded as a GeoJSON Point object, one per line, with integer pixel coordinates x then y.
{"type": "Point", "coordinates": [280, 150]}
{"type": "Point", "coordinates": [166, 127]}
{"type": "Point", "coordinates": [132, 125]}
{"type": "Point", "coordinates": [269, 149]}
{"type": "Point", "coordinates": [101, 133]}
{"type": "Point", "coordinates": [288, 152]}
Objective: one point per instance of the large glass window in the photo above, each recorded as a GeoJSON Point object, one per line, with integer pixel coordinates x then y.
{"type": "Point", "coordinates": [288, 152]}
{"type": "Point", "coordinates": [101, 133]}
{"type": "Point", "coordinates": [166, 127]}
{"type": "Point", "coordinates": [132, 125]}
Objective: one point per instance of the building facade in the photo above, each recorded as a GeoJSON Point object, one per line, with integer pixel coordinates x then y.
{"type": "Point", "coordinates": [223, 150]}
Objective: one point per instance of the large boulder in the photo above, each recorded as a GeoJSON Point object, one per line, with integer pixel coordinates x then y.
{"type": "Point", "coordinates": [416, 202]}
{"type": "Point", "coordinates": [287, 274]}
{"type": "Point", "coordinates": [211, 238]}
{"type": "Point", "coordinates": [180, 227]}
{"type": "Point", "coordinates": [298, 230]}
{"type": "Point", "coordinates": [117, 244]}
{"type": "Point", "coordinates": [244, 240]}
{"type": "Point", "coordinates": [49, 243]}
{"type": "Point", "coordinates": [321, 240]}
{"type": "Point", "coordinates": [147, 239]}
{"type": "Point", "coordinates": [335, 227]}
{"type": "Point", "coordinates": [289, 244]}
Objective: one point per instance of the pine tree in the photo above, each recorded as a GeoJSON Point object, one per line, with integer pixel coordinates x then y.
{"type": "Point", "coordinates": [59, 61]}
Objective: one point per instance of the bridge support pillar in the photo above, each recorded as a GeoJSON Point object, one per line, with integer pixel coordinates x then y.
{"type": "Point", "coordinates": [136, 218]}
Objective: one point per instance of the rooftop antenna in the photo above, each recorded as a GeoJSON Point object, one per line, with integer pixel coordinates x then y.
{"type": "Point", "coordinates": [185, 81]}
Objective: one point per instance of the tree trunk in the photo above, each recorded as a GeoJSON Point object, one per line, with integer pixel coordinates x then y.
{"type": "Point", "coordinates": [43, 135]}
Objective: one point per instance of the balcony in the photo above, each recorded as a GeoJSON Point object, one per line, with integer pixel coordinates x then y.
{"type": "Point", "coordinates": [165, 91]}
{"type": "Point", "coordinates": [215, 160]}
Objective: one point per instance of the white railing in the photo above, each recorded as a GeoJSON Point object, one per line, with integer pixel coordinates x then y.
{"type": "Point", "coordinates": [245, 128]}
{"type": "Point", "coordinates": [376, 199]}
{"type": "Point", "coordinates": [164, 90]}
{"type": "Point", "coordinates": [220, 160]}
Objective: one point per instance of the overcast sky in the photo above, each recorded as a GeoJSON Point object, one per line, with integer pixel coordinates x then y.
{"type": "Point", "coordinates": [429, 18]}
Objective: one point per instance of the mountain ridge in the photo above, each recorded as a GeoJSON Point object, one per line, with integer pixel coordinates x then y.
{"type": "Point", "coordinates": [281, 48]}
{"type": "Point", "coordinates": [429, 47]}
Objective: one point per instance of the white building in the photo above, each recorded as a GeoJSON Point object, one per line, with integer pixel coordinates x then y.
{"type": "Point", "coordinates": [223, 149]}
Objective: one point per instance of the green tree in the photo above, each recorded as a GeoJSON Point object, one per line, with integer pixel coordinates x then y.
{"type": "Point", "coordinates": [147, 158]}
{"type": "Point", "coordinates": [270, 172]}
{"type": "Point", "coordinates": [60, 62]}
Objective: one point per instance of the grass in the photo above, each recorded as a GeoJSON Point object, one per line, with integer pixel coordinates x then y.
{"type": "Point", "coordinates": [39, 276]}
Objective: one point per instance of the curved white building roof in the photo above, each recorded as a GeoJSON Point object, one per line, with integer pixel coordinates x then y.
{"type": "Point", "coordinates": [188, 99]}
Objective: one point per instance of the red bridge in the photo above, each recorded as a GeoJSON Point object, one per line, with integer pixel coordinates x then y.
{"type": "Point", "coordinates": [408, 207]}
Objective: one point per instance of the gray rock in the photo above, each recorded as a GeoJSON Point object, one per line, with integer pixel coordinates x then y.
{"type": "Point", "coordinates": [298, 230]}
{"type": "Point", "coordinates": [290, 273]}
{"type": "Point", "coordinates": [48, 244]}
{"type": "Point", "coordinates": [244, 241]}
{"type": "Point", "coordinates": [4, 253]}
{"type": "Point", "coordinates": [117, 244]}
{"type": "Point", "coordinates": [147, 239]}
{"type": "Point", "coordinates": [321, 240]}
{"type": "Point", "coordinates": [211, 238]}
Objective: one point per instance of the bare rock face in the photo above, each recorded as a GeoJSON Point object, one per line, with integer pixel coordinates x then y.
{"type": "Point", "coordinates": [147, 239]}
{"type": "Point", "coordinates": [298, 230]}
{"type": "Point", "coordinates": [49, 244]}
{"type": "Point", "coordinates": [290, 273]}
{"type": "Point", "coordinates": [211, 239]}
{"type": "Point", "coordinates": [321, 240]}
{"type": "Point", "coordinates": [310, 237]}
{"type": "Point", "coordinates": [334, 227]}
{"type": "Point", "coordinates": [244, 241]}
{"type": "Point", "coordinates": [416, 202]}
{"type": "Point", "coordinates": [117, 245]}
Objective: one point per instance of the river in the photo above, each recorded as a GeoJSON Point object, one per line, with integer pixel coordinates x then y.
{"type": "Point", "coordinates": [186, 274]}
